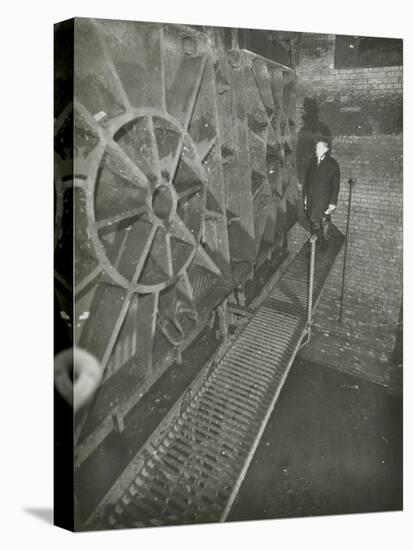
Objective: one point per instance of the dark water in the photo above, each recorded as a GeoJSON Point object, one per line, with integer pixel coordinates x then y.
{"type": "Point", "coordinates": [333, 445]}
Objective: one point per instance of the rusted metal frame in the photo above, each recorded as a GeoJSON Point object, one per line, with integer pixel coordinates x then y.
{"type": "Point", "coordinates": [237, 360]}
{"type": "Point", "coordinates": [125, 305]}
{"type": "Point", "coordinates": [233, 395]}
{"type": "Point", "coordinates": [156, 437]}
{"type": "Point", "coordinates": [230, 169]}
{"type": "Point", "coordinates": [188, 192]}
{"type": "Point", "coordinates": [201, 435]}
{"type": "Point", "coordinates": [254, 333]}
{"type": "Point", "coordinates": [248, 415]}
{"type": "Point", "coordinates": [259, 384]}
{"type": "Point", "coordinates": [162, 57]}
{"type": "Point", "coordinates": [254, 57]}
{"type": "Point", "coordinates": [258, 437]}
{"type": "Point", "coordinates": [239, 106]}
{"type": "Point", "coordinates": [171, 498]}
{"type": "Point", "coordinates": [118, 324]}
{"type": "Point", "coordinates": [244, 360]}
{"type": "Point", "coordinates": [102, 43]}
{"type": "Point", "coordinates": [251, 346]}
{"type": "Point", "coordinates": [213, 267]}
{"type": "Point", "coordinates": [256, 369]}
{"type": "Point", "coordinates": [219, 393]}
{"type": "Point", "coordinates": [238, 415]}
{"type": "Point", "coordinates": [284, 330]}
{"type": "Point", "coordinates": [155, 148]}
{"type": "Point", "coordinates": [204, 457]}
{"type": "Point", "coordinates": [213, 389]}
{"type": "Point", "coordinates": [231, 413]}
{"type": "Point", "coordinates": [270, 313]}
{"type": "Point", "coordinates": [87, 446]}
{"type": "Point", "coordinates": [253, 399]}
{"type": "Point", "coordinates": [258, 83]}
{"type": "Point", "coordinates": [231, 378]}
{"type": "Point", "coordinates": [125, 159]}
{"type": "Point", "coordinates": [153, 506]}
{"type": "Point", "coordinates": [210, 425]}
{"type": "Point", "coordinates": [271, 62]}
{"type": "Point", "coordinates": [271, 408]}
{"type": "Point", "coordinates": [225, 416]}
{"type": "Point", "coordinates": [224, 250]}
{"type": "Point", "coordinates": [195, 93]}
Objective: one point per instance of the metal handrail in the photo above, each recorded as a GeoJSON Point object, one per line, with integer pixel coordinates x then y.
{"type": "Point", "coordinates": [351, 183]}
{"type": "Point", "coordinates": [312, 240]}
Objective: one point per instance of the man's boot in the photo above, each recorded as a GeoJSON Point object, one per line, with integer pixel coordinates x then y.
{"type": "Point", "coordinates": [325, 226]}
{"type": "Point", "coordinates": [323, 244]}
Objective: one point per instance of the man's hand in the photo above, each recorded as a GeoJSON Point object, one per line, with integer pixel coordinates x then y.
{"type": "Point", "coordinates": [330, 209]}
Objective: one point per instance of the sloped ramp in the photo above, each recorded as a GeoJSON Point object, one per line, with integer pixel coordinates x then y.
{"type": "Point", "coordinates": [194, 473]}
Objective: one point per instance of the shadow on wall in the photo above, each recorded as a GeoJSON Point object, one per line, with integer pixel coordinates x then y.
{"type": "Point", "coordinates": [311, 130]}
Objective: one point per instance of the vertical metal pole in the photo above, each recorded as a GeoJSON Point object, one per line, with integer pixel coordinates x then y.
{"type": "Point", "coordinates": [313, 239]}
{"type": "Point", "coordinates": [343, 281]}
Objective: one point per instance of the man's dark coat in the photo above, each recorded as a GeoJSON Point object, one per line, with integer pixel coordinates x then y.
{"type": "Point", "coordinates": [321, 185]}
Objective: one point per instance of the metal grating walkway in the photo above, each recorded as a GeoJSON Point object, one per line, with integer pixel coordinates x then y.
{"type": "Point", "coordinates": [194, 473]}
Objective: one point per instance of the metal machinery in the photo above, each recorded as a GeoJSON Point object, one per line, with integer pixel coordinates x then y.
{"type": "Point", "coordinates": [175, 178]}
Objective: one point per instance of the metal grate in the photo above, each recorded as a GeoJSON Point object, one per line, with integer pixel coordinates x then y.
{"type": "Point", "coordinates": [193, 474]}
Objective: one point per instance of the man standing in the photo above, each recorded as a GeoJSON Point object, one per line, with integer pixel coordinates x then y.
{"type": "Point", "coordinates": [320, 191]}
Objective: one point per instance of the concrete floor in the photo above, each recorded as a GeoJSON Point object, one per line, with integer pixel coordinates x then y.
{"type": "Point", "coordinates": [333, 445]}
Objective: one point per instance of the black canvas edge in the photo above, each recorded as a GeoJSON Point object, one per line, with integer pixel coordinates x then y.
{"type": "Point", "coordinates": [63, 428]}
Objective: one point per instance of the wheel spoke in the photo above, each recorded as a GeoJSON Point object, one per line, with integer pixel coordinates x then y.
{"type": "Point", "coordinates": [188, 191]}
{"type": "Point", "coordinates": [205, 147]}
{"type": "Point", "coordinates": [127, 301]}
{"type": "Point", "coordinates": [179, 230]}
{"type": "Point", "coordinates": [176, 158]}
{"type": "Point", "coordinates": [116, 330]}
{"type": "Point", "coordinates": [112, 220]}
{"type": "Point", "coordinates": [80, 108]}
{"type": "Point", "coordinates": [212, 215]}
{"type": "Point", "coordinates": [154, 147]}
{"type": "Point", "coordinates": [193, 162]}
{"type": "Point", "coordinates": [146, 326]}
{"type": "Point", "coordinates": [140, 180]}
{"type": "Point", "coordinates": [169, 254]}
{"type": "Point", "coordinates": [188, 286]}
{"type": "Point", "coordinates": [144, 255]}
{"type": "Point", "coordinates": [205, 260]}
{"type": "Point", "coordinates": [88, 279]}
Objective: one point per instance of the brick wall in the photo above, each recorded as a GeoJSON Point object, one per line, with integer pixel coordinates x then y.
{"type": "Point", "coordinates": [361, 109]}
